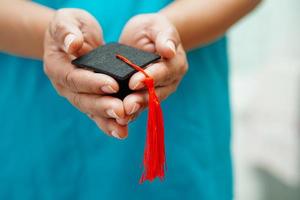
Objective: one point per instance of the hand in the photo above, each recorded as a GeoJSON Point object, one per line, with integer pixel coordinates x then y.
{"type": "Point", "coordinates": [153, 33]}
{"type": "Point", "coordinates": [72, 33]}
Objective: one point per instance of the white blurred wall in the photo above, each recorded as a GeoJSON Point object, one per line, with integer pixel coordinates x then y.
{"type": "Point", "coordinates": [265, 60]}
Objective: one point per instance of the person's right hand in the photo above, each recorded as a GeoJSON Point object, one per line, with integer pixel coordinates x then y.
{"type": "Point", "coordinates": [72, 33]}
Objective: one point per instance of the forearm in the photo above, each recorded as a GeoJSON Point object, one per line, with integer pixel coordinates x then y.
{"type": "Point", "coordinates": [202, 21]}
{"type": "Point", "coordinates": [22, 25]}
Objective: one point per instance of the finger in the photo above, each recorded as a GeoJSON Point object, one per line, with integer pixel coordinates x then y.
{"type": "Point", "coordinates": [72, 27]}
{"type": "Point", "coordinates": [100, 106]}
{"type": "Point", "coordinates": [140, 99]}
{"type": "Point", "coordinates": [166, 43]}
{"type": "Point", "coordinates": [150, 47]}
{"type": "Point", "coordinates": [77, 79]}
{"type": "Point", "coordinates": [85, 81]}
{"type": "Point", "coordinates": [165, 37]}
{"type": "Point", "coordinates": [64, 29]}
{"type": "Point", "coordinates": [162, 73]}
{"type": "Point", "coordinates": [111, 127]}
{"type": "Point", "coordinates": [144, 43]}
{"type": "Point", "coordinates": [91, 30]}
{"type": "Point", "coordinates": [129, 118]}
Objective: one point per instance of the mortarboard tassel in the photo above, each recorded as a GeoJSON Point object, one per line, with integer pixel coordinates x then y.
{"type": "Point", "coordinates": [154, 155]}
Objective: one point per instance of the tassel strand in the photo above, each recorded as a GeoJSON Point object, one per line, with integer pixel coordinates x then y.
{"type": "Point", "coordinates": [154, 155]}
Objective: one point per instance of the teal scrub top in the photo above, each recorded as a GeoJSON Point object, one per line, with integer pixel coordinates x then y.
{"type": "Point", "coordinates": [49, 150]}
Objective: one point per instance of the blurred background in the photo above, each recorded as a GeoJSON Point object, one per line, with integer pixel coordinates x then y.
{"type": "Point", "coordinates": [265, 59]}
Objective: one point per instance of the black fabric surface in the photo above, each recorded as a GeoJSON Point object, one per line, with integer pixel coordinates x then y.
{"type": "Point", "coordinates": [103, 60]}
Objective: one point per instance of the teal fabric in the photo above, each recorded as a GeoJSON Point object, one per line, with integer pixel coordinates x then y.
{"type": "Point", "coordinates": [49, 150]}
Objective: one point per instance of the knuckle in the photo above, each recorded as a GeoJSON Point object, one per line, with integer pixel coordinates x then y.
{"type": "Point", "coordinates": [163, 73]}
{"type": "Point", "coordinates": [145, 100]}
{"type": "Point", "coordinates": [76, 100]}
{"type": "Point", "coordinates": [162, 96]}
{"type": "Point", "coordinates": [133, 117]}
{"type": "Point", "coordinates": [70, 81]}
{"type": "Point", "coordinates": [171, 89]}
{"type": "Point", "coordinates": [91, 82]}
{"type": "Point", "coordinates": [168, 74]}
{"type": "Point", "coordinates": [47, 69]}
{"type": "Point", "coordinates": [174, 88]}
{"type": "Point", "coordinates": [182, 62]}
{"type": "Point", "coordinates": [102, 124]}
{"type": "Point", "coordinates": [58, 28]}
{"type": "Point", "coordinates": [60, 92]}
{"type": "Point", "coordinates": [91, 88]}
{"type": "Point", "coordinates": [183, 67]}
{"type": "Point", "coordinates": [98, 107]}
{"type": "Point", "coordinates": [59, 89]}
{"type": "Point", "coordinates": [67, 80]}
{"type": "Point", "coordinates": [91, 116]}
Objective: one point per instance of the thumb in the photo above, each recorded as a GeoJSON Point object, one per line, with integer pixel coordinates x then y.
{"type": "Point", "coordinates": [166, 43]}
{"type": "Point", "coordinates": [72, 43]}
{"type": "Point", "coordinates": [65, 32]}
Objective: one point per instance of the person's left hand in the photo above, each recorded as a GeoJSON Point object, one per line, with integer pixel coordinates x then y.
{"type": "Point", "coordinates": [153, 33]}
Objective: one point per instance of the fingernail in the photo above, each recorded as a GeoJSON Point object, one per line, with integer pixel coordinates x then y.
{"type": "Point", "coordinates": [68, 41]}
{"type": "Point", "coordinates": [108, 89]}
{"type": "Point", "coordinates": [122, 122]}
{"type": "Point", "coordinates": [134, 108]}
{"type": "Point", "coordinates": [115, 134]}
{"type": "Point", "coordinates": [171, 45]}
{"type": "Point", "coordinates": [137, 86]}
{"type": "Point", "coordinates": [112, 114]}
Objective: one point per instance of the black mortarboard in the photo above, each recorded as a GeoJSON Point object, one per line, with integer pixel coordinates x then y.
{"type": "Point", "coordinates": [103, 60]}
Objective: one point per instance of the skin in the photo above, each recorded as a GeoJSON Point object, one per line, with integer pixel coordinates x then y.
{"type": "Point", "coordinates": [59, 36]}
{"type": "Point", "coordinates": [154, 33]}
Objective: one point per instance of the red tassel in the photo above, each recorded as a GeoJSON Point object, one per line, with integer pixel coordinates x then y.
{"type": "Point", "coordinates": [154, 155]}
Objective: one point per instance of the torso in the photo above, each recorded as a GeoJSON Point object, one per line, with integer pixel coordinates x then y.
{"type": "Point", "coordinates": [49, 150]}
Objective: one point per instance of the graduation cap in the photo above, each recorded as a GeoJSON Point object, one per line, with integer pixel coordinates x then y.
{"type": "Point", "coordinates": [103, 60]}
{"type": "Point", "coordinates": [120, 62]}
